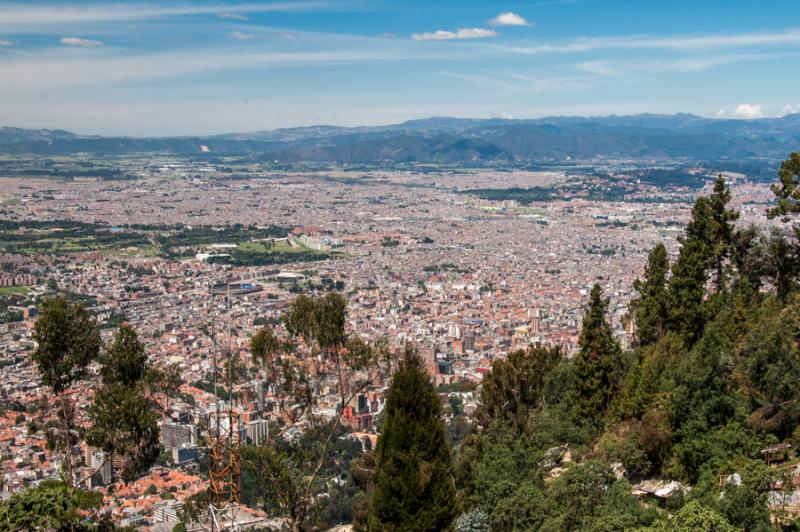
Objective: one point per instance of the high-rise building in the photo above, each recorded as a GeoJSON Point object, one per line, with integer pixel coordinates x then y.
{"type": "Point", "coordinates": [256, 432]}
{"type": "Point", "coordinates": [174, 435]}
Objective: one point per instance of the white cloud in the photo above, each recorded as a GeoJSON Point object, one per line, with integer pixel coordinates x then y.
{"type": "Point", "coordinates": [5, 42]}
{"type": "Point", "coordinates": [241, 36]}
{"type": "Point", "coordinates": [748, 110]}
{"type": "Point", "coordinates": [23, 16]}
{"type": "Point", "coordinates": [508, 19]}
{"type": "Point", "coordinates": [612, 68]}
{"type": "Point", "coordinates": [56, 68]}
{"type": "Point", "coordinates": [720, 113]}
{"type": "Point", "coordinates": [81, 43]}
{"type": "Point", "coordinates": [232, 16]}
{"type": "Point", "coordinates": [789, 109]}
{"type": "Point", "coordinates": [460, 33]}
{"type": "Point", "coordinates": [633, 42]}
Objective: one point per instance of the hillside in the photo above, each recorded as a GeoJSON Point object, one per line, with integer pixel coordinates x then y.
{"type": "Point", "coordinates": [442, 139]}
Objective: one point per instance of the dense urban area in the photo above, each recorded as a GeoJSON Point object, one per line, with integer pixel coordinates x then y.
{"type": "Point", "coordinates": [269, 308]}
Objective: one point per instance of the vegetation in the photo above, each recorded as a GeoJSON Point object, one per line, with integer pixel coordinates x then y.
{"type": "Point", "coordinates": [124, 414]}
{"type": "Point", "coordinates": [713, 380]}
{"type": "Point", "coordinates": [52, 506]}
{"type": "Point", "coordinates": [68, 341]}
{"type": "Point", "coordinates": [291, 474]}
{"type": "Point", "coordinates": [414, 487]}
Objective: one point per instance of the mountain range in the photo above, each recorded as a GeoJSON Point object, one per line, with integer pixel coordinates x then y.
{"type": "Point", "coordinates": [453, 140]}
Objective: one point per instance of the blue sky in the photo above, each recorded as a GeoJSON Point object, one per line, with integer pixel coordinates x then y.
{"type": "Point", "coordinates": [177, 67]}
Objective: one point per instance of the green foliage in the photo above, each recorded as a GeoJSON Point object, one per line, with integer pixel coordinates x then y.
{"type": "Point", "coordinates": [517, 385]}
{"type": "Point", "coordinates": [787, 190]}
{"type": "Point", "coordinates": [123, 415]}
{"type": "Point", "coordinates": [67, 342]}
{"type": "Point", "coordinates": [597, 365]}
{"type": "Point", "coordinates": [49, 507]}
{"type": "Point", "coordinates": [722, 236]}
{"type": "Point", "coordinates": [414, 488]}
{"type": "Point", "coordinates": [689, 274]}
{"type": "Point", "coordinates": [125, 362]}
{"type": "Point", "coordinates": [473, 521]}
{"type": "Point", "coordinates": [652, 307]}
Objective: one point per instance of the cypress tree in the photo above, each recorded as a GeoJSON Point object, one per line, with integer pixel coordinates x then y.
{"type": "Point", "coordinates": [723, 229]}
{"type": "Point", "coordinates": [787, 191]}
{"type": "Point", "coordinates": [651, 308]}
{"type": "Point", "coordinates": [687, 285]}
{"type": "Point", "coordinates": [597, 366]}
{"type": "Point", "coordinates": [414, 488]}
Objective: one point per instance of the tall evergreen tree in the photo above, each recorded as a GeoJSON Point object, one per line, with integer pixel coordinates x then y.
{"type": "Point", "coordinates": [687, 285]}
{"type": "Point", "coordinates": [68, 340]}
{"type": "Point", "coordinates": [722, 239]}
{"type": "Point", "coordinates": [414, 488]}
{"type": "Point", "coordinates": [597, 366]}
{"type": "Point", "coordinates": [651, 309]}
{"type": "Point", "coordinates": [788, 189]}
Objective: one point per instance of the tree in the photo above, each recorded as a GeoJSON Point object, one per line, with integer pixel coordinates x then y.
{"type": "Point", "coordinates": [124, 414]}
{"type": "Point", "coordinates": [787, 190]}
{"type": "Point", "coordinates": [51, 506]}
{"type": "Point", "coordinates": [597, 365]}
{"type": "Point", "coordinates": [516, 386]}
{"type": "Point", "coordinates": [414, 488]}
{"type": "Point", "coordinates": [723, 229]}
{"type": "Point", "coordinates": [291, 471]}
{"type": "Point", "coordinates": [68, 340]}
{"type": "Point", "coordinates": [687, 285]}
{"type": "Point", "coordinates": [651, 308]}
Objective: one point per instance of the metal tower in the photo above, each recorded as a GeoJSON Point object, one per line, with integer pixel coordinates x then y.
{"type": "Point", "coordinates": [225, 427]}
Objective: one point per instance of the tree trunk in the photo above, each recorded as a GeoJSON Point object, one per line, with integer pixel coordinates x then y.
{"type": "Point", "coordinates": [66, 418]}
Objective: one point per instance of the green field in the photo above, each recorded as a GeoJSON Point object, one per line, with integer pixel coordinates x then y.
{"type": "Point", "coordinates": [279, 247]}
{"type": "Point", "coordinates": [14, 290]}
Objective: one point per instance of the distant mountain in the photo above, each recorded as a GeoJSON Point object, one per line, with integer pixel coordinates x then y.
{"type": "Point", "coordinates": [444, 139]}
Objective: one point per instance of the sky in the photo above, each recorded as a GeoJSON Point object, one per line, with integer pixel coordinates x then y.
{"type": "Point", "coordinates": [188, 68]}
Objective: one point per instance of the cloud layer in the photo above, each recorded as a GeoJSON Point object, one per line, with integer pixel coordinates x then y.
{"type": "Point", "coordinates": [460, 33]}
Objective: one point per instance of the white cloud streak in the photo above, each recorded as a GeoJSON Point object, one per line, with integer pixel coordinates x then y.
{"type": "Point", "coordinates": [5, 42]}
{"type": "Point", "coordinates": [55, 70]}
{"type": "Point", "coordinates": [81, 43]}
{"type": "Point", "coordinates": [20, 16]}
{"type": "Point", "coordinates": [509, 18]}
{"type": "Point", "coordinates": [241, 36]}
{"type": "Point", "coordinates": [683, 43]}
{"type": "Point", "coordinates": [613, 68]}
{"type": "Point", "coordinates": [232, 16]}
{"type": "Point", "coordinates": [460, 33]}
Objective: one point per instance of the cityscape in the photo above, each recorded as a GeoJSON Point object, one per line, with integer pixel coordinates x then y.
{"type": "Point", "coordinates": [578, 320]}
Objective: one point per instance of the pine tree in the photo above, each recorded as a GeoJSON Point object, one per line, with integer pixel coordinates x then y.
{"type": "Point", "coordinates": [687, 285]}
{"type": "Point", "coordinates": [788, 191]}
{"type": "Point", "coordinates": [414, 488]}
{"type": "Point", "coordinates": [651, 308]}
{"type": "Point", "coordinates": [596, 368]}
{"type": "Point", "coordinates": [723, 229]}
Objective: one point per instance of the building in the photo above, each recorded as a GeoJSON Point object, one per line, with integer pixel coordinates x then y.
{"type": "Point", "coordinates": [256, 432]}
{"type": "Point", "coordinates": [175, 435]}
